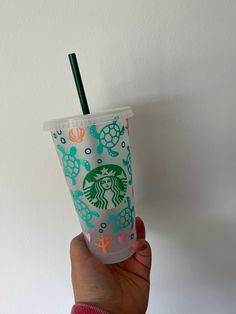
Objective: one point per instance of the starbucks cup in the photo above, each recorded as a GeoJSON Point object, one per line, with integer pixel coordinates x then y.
{"type": "Point", "coordinates": [95, 156]}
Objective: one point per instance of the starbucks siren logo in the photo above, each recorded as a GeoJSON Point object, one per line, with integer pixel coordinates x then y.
{"type": "Point", "coordinates": [105, 186]}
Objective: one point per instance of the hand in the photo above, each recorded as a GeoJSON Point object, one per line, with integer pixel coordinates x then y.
{"type": "Point", "coordinates": [121, 288]}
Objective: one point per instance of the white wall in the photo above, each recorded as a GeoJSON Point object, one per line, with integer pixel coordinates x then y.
{"type": "Point", "coordinates": [174, 63]}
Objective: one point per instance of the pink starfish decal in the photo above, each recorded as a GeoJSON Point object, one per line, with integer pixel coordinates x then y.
{"type": "Point", "coordinates": [121, 238]}
{"type": "Point", "coordinates": [88, 236]}
{"type": "Point", "coordinates": [127, 125]}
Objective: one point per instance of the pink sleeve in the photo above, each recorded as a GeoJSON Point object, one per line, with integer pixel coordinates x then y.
{"type": "Point", "coordinates": [86, 309]}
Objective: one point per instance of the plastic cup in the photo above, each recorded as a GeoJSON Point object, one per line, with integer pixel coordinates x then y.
{"type": "Point", "coordinates": [95, 156]}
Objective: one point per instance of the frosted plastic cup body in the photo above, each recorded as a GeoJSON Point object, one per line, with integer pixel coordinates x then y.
{"type": "Point", "coordinates": [94, 152]}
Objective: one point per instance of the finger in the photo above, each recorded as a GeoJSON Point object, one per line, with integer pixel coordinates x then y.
{"type": "Point", "coordinates": [140, 228]}
{"type": "Point", "coordinates": [143, 252]}
{"type": "Point", "coordinates": [79, 250]}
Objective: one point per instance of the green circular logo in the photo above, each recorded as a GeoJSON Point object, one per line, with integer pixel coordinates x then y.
{"type": "Point", "coordinates": [105, 186]}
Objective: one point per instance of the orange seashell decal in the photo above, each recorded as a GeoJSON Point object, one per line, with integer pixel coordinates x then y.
{"type": "Point", "coordinates": [76, 135]}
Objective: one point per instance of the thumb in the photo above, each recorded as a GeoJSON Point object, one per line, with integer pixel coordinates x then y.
{"type": "Point", "coordinates": [143, 252]}
{"type": "Point", "coordinates": [79, 251]}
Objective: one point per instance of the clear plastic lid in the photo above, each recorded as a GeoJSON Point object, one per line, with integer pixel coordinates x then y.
{"type": "Point", "coordinates": [88, 119]}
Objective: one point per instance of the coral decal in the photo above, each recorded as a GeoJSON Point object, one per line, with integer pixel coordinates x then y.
{"type": "Point", "coordinates": [103, 243]}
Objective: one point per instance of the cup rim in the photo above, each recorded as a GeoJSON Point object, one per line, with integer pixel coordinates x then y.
{"type": "Point", "coordinates": [99, 117]}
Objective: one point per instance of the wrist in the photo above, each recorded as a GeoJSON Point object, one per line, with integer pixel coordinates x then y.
{"type": "Point", "coordinates": [83, 308]}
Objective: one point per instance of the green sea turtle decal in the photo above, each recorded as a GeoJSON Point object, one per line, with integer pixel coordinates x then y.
{"type": "Point", "coordinates": [105, 186]}
{"type": "Point", "coordinates": [124, 218]}
{"type": "Point", "coordinates": [108, 137]}
{"type": "Point", "coordinates": [127, 162]}
{"type": "Point", "coordinates": [71, 164]}
{"type": "Point", "coordinates": [83, 210]}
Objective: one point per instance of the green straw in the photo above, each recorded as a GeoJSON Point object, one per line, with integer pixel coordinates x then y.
{"type": "Point", "coordinates": [78, 83]}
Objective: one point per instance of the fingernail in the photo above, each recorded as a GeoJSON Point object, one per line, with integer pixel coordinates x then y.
{"type": "Point", "coordinates": [139, 219]}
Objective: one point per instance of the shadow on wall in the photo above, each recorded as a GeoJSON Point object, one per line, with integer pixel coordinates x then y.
{"type": "Point", "coordinates": [166, 148]}
{"type": "Point", "coordinates": [183, 149]}
{"type": "Point", "coordinates": [185, 189]}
